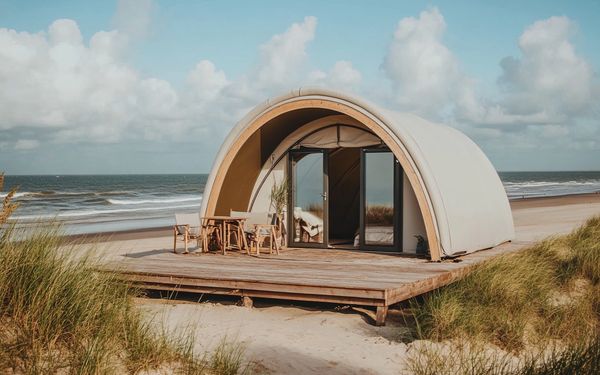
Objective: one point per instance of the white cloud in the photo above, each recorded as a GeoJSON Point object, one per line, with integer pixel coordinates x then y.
{"type": "Point", "coordinates": [26, 144]}
{"type": "Point", "coordinates": [549, 84]}
{"type": "Point", "coordinates": [342, 76]}
{"type": "Point", "coordinates": [59, 87]}
{"type": "Point", "coordinates": [134, 17]}
{"type": "Point", "coordinates": [66, 89]}
{"type": "Point", "coordinates": [206, 81]}
{"type": "Point", "coordinates": [283, 56]}
{"type": "Point", "coordinates": [57, 81]}
{"type": "Point", "coordinates": [549, 76]}
{"type": "Point", "coordinates": [425, 74]}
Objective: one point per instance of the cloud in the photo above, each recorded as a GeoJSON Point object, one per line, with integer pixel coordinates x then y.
{"type": "Point", "coordinates": [59, 87]}
{"type": "Point", "coordinates": [424, 73]}
{"type": "Point", "coordinates": [549, 84]}
{"type": "Point", "coordinates": [57, 81]}
{"type": "Point", "coordinates": [283, 56]}
{"type": "Point", "coordinates": [342, 76]}
{"type": "Point", "coordinates": [65, 89]}
{"type": "Point", "coordinates": [134, 17]}
{"type": "Point", "coordinates": [26, 144]}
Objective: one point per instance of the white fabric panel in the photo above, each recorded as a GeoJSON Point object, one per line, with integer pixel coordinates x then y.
{"type": "Point", "coordinates": [325, 138]}
{"type": "Point", "coordinates": [469, 200]}
{"type": "Point", "coordinates": [353, 137]}
{"type": "Point", "coordinates": [340, 136]}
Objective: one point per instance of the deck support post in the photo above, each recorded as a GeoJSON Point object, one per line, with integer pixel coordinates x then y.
{"type": "Point", "coordinates": [247, 301]}
{"type": "Point", "coordinates": [381, 315]}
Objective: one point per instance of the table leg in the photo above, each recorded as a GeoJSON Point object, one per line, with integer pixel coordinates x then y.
{"type": "Point", "coordinates": [275, 241]}
{"type": "Point", "coordinates": [243, 234]}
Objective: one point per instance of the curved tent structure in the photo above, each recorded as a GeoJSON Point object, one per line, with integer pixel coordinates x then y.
{"type": "Point", "coordinates": [440, 185]}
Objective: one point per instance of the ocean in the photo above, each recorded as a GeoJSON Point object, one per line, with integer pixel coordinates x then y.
{"type": "Point", "coordinates": [104, 203]}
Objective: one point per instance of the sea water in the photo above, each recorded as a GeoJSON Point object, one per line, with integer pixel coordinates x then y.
{"type": "Point", "coordinates": [100, 203]}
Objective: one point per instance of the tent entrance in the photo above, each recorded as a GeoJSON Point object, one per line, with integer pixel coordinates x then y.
{"type": "Point", "coordinates": [308, 209]}
{"type": "Point", "coordinates": [380, 201]}
{"type": "Point", "coordinates": [345, 197]}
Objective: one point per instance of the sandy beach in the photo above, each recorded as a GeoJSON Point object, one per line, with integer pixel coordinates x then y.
{"type": "Point", "coordinates": [283, 337]}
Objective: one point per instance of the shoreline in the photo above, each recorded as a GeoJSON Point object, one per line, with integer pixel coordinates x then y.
{"type": "Point", "coordinates": [554, 200]}
{"type": "Point", "coordinates": [165, 231]}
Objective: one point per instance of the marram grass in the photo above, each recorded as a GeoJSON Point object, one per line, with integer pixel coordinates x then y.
{"type": "Point", "coordinates": [547, 293]}
{"type": "Point", "coordinates": [59, 316]}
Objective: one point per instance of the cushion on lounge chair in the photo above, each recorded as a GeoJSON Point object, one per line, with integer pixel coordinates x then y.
{"type": "Point", "coordinates": [310, 222]}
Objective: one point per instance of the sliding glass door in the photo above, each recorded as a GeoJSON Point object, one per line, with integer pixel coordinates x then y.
{"type": "Point", "coordinates": [377, 228]}
{"type": "Point", "coordinates": [380, 201]}
{"type": "Point", "coordinates": [308, 198]}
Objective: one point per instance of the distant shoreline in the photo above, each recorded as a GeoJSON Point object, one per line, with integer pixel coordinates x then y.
{"type": "Point", "coordinates": [157, 232]}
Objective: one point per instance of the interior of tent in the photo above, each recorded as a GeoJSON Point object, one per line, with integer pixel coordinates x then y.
{"type": "Point", "coordinates": [347, 190]}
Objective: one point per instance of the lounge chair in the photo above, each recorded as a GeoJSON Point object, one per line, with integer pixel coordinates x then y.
{"type": "Point", "coordinates": [310, 225]}
{"type": "Point", "coordinates": [187, 227]}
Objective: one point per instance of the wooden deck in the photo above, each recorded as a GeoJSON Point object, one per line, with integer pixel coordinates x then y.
{"type": "Point", "coordinates": [325, 275]}
{"type": "Point", "coordinates": [319, 275]}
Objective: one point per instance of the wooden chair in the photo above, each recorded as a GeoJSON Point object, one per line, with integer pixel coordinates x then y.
{"type": "Point", "coordinates": [258, 228]}
{"type": "Point", "coordinates": [187, 227]}
{"type": "Point", "coordinates": [234, 230]}
{"type": "Point", "coordinates": [211, 233]}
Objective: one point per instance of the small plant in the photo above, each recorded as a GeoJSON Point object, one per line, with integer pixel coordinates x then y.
{"type": "Point", "coordinates": [279, 200]}
{"type": "Point", "coordinates": [279, 197]}
{"type": "Point", "coordinates": [8, 206]}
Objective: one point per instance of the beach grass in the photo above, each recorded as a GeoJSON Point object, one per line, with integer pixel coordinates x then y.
{"type": "Point", "coordinates": [545, 294]}
{"type": "Point", "coordinates": [59, 315]}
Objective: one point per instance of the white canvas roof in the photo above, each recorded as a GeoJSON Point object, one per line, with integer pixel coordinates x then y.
{"type": "Point", "coordinates": [468, 207]}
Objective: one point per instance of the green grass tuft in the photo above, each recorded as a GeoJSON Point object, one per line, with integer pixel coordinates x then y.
{"type": "Point", "coordinates": [547, 291]}
{"type": "Point", "coordinates": [521, 304]}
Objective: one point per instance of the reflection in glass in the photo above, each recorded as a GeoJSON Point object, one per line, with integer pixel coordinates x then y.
{"type": "Point", "coordinates": [379, 198]}
{"type": "Point", "coordinates": [308, 197]}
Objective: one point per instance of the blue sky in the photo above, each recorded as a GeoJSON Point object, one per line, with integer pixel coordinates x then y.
{"type": "Point", "coordinates": [205, 63]}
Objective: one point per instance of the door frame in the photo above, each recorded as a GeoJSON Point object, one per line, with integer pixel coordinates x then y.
{"type": "Point", "coordinates": [398, 209]}
{"type": "Point", "coordinates": [292, 178]}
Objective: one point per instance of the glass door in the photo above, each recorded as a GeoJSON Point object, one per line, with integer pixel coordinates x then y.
{"type": "Point", "coordinates": [380, 201]}
{"type": "Point", "coordinates": [308, 198]}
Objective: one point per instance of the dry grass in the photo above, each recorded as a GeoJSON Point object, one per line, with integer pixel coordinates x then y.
{"type": "Point", "coordinates": [60, 316]}
{"type": "Point", "coordinates": [379, 215]}
{"type": "Point", "coordinates": [548, 292]}
{"type": "Point", "coordinates": [458, 358]}
{"type": "Point", "coordinates": [8, 206]}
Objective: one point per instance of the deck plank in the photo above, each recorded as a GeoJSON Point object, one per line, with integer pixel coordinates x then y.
{"type": "Point", "coordinates": [323, 275]}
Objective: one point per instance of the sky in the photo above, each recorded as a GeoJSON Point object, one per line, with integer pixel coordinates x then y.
{"type": "Point", "coordinates": [111, 87]}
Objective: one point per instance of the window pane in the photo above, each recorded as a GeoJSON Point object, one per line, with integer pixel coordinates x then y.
{"type": "Point", "coordinates": [308, 197]}
{"type": "Point", "coordinates": [379, 198]}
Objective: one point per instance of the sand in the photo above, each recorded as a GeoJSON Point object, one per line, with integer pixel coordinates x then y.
{"type": "Point", "coordinates": [292, 340]}
{"type": "Point", "coordinates": [285, 338]}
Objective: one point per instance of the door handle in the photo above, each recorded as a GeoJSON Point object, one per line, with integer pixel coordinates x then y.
{"type": "Point", "coordinates": [324, 195]}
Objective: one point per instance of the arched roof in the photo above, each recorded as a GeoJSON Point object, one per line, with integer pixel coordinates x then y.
{"type": "Point", "coordinates": [460, 195]}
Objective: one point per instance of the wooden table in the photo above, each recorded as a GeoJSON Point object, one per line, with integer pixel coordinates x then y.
{"type": "Point", "coordinates": [224, 222]}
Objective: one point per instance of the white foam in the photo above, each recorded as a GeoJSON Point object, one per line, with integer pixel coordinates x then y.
{"type": "Point", "coordinates": [75, 214]}
{"type": "Point", "coordinates": [154, 201]}
{"type": "Point", "coordinates": [17, 194]}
